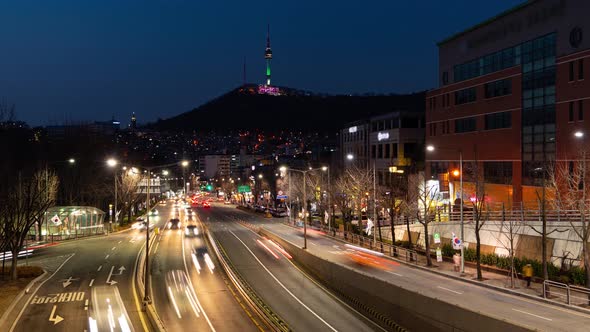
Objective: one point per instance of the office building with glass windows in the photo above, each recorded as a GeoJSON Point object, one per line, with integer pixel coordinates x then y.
{"type": "Point", "coordinates": [512, 93]}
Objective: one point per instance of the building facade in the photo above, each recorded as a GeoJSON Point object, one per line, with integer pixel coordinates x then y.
{"type": "Point", "coordinates": [512, 93]}
{"type": "Point", "coordinates": [391, 139]}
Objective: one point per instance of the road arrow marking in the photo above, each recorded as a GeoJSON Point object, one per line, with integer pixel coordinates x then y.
{"type": "Point", "coordinates": [67, 282]}
{"type": "Point", "coordinates": [56, 319]}
{"type": "Point", "coordinates": [109, 281]}
{"type": "Point", "coordinates": [121, 270]}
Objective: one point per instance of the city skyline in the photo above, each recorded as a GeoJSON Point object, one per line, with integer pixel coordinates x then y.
{"type": "Point", "coordinates": [160, 60]}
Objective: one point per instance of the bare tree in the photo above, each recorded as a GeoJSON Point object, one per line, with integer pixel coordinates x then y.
{"type": "Point", "coordinates": [421, 205]}
{"type": "Point", "coordinates": [24, 205]}
{"type": "Point", "coordinates": [571, 196]}
{"type": "Point", "coordinates": [128, 192]}
{"type": "Point", "coordinates": [510, 227]}
{"type": "Point", "coordinates": [360, 184]}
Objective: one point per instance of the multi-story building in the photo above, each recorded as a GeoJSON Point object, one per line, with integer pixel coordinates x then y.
{"type": "Point", "coordinates": [512, 93]}
{"type": "Point", "coordinates": [211, 166]}
{"type": "Point", "coordinates": [392, 139]}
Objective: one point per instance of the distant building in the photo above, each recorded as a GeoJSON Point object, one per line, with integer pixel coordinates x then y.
{"type": "Point", "coordinates": [211, 166]}
{"type": "Point", "coordinates": [383, 141]}
{"type": "Point", "coordinates": [92, 130]}
{"type": "Point", "coordinates": [133, 124]}
{"type": "Point", "coordinates": [513, 90]}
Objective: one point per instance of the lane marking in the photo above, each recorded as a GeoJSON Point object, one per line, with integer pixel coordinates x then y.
{"type": "Point", "coordinates": [38, 287]}
{"type": "Point", "coordinates": [91, 282]}
{"type": "Point", "coordinates": [190, 282]}
{"type": "Point", "coordinates": [119, 242]}
{"type": "Point", "coordinates": [107, 257]}
{"type": "Point", "coordinates": [156, 248]}
{"type": "Point", "coordinates": [86, 305]}
{"type": "Point", "coordinates": [283, 286]}
{"type": "Point", "coordinates": [397, 274]}
{"type": "Point", "coordinates": [114, 248]}
{"type": "Point", "coordinates": [528, 313]}
{"type": "Point", "coordinates": [99, 268]}
{"type": "Point", "coordinates": [449, 290]}
{"type": "Point", "coordinates": [135, 297]}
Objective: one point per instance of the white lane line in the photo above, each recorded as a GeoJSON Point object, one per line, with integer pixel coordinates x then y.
{"type": "Point", "coordinates": [397, 274]}
{"type": "Point", "coordinates": [113, 248]}
{"type": "Point", "coordinates": [283, 286]}
{"type": "Point", "coordinates": [193, 289]}
{"type": "Point", "coordinates": [86, 304]}
{"type": "Point", "coordinates": [156, 248]}
{"type": "Point", "coordinates": [33, 294]}
{"type": "Point", "coordinates": [99, 268]}
{"type": "Point", "coordinates": [119, 242]}
{"type": "Point", "coordinates": [91, 282]}
{"type": "Point", "coordinates": [107, 257]}
{"type": "Point", "coordinates": [528, 313]}
{"type": "Point", "coordinates": [313, 243]}
{"type": "Point", "coordinates": [449, 290]}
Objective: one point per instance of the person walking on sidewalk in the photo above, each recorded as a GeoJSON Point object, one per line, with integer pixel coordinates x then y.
{"type": "Point", "coordinates": [527, 272]}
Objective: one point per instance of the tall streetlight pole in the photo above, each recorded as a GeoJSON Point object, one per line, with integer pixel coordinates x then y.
{"type": "Point", "coordinates": [430, 148]}
{"type": "Point", "coordinates": [112, 163]}
{"type": "Point", "coordinates": [304, 172]}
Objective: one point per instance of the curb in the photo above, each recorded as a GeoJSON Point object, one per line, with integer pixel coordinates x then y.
{"type": "Point", "coordinates": [19, 297]}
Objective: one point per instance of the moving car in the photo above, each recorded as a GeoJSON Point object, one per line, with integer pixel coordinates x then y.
{"type": "Point", "coordinates": [174, 223]}
{"type": "Point", "coordinates": [191, 230]}
{"type": "Point", "coordinates": [106, 311]}
{"type": "Point", "coordinates": [180, 294]}
{"type": "Point", "coordinates": [206, 204]}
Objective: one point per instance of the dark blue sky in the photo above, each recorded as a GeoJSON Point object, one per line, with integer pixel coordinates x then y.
{"type": "Point", "coordinates": [88, 60]}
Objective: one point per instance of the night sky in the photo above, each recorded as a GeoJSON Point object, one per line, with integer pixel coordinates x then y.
{"type": "Point", "coordinates": [81, 60]}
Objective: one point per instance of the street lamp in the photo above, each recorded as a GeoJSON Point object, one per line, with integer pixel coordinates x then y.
{"type": "Point", "coordinates": [304, 198]}
{"type": "Point", "coordinates": [72, 161]}
{"type": "Point", "coordinates": [349, 156]}
{"type": "Point", "coordinates": [111, 162]}
{"type": "Point", "coordinates": [430, 148]}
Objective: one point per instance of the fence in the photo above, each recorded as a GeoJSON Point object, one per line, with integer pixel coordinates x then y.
{"type": "Point", "coordinates": [574, 295]}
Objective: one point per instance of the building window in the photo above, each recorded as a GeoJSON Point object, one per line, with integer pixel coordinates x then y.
{"type": "Point", "coordinates": [465, 96]}
{"type": "Point", "coordinates": [387, 151]}
{"type": "Point", "coordinates": [497, 172]}
{"type": "Point", "coordinates": [380, 151]}
{"type": "Point", "coordinates": [580, 110]}
{"type": "Point", "coordinates": [394, 150]}
{"type": "Point", "coordinates": [581, 69]}
{"type": "Point", "coordinates": [498, 120]}
{"type": "Point", "coordinates": [410, 150]}
{"type": "Point", "coordinates": [571, 71]}
{"type": "Point", "coordinates": [373, 151]}
{"type": "Point", "coordinates": [465, 125]}
{"type": "Point", "coordinates": [571, 117]}
{"type": "Point", "coordinates": [498, 88]}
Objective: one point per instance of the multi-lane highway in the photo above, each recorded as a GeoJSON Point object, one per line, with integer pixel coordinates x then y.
{"type": "Point", "coordinates": [301, 302]}
{"type": "Point", "coordinates": [181, 260]}
{"type": "Point", "coordinates": [522, 311]}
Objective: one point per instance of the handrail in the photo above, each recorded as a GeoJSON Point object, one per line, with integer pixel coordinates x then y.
{"type": "Point", "coordinates": [568, 289]}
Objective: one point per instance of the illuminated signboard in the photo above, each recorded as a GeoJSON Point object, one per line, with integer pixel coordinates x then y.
{"type": "Point", "coordinates": [382, 136]}
{"type": "Point", "coordinates": [268, 90]}
{"type": "Point", "coordinates": [352, 129]}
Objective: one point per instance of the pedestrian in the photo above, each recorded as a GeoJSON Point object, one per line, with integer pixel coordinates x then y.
{"type": "Point", "coordinates": [457, 262]}
{"type": "Point", "coordinates": [527, 272]}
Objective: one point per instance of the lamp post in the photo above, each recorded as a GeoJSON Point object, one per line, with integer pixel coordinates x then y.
{"type": "Point", "coordinates": [112, 163]}
{"type": "Point", "coordinates": [430, 148]}
{"type": "Point", "coordinates": [304, 172]}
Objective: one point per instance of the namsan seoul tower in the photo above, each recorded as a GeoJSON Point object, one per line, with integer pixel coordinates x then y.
{"type": "Point", "coordinates": [268, 56]}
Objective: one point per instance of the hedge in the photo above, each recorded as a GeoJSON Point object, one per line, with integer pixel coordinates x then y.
{"type": "Point", "coordinates": [576, 275]}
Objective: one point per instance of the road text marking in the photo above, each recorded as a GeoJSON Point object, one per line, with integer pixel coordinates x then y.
{"type": "Point", "coordinates": [58, 298]}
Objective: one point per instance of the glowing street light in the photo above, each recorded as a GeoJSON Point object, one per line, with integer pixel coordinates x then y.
{"type": "Point", "coordinates": [110, 162]}
{"type": "Point", "coordinates": [579, 134]}
{"type": "Point", "coordinates": [72, 161]}
{"type": "Point", "coordinates": [430, 148]}
{"type": "Point", "coordinates": [350, 156]}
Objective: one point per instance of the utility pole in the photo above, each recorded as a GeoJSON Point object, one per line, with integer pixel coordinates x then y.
{"type": "Point", "coordinates": [146, 299]}
{"type": "Point", "coordinates": [304, 209]}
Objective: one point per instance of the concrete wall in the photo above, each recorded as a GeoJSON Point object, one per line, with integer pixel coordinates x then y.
{"type": "Point", "coordinates": [495, 238]}
{"type": "Point", "coordinates": [383, 301]}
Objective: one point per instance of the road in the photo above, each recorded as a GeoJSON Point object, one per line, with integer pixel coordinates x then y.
{"type": "Point", "coordinates": [519, 310]}
{"type": "Point", "coordinates": [210, 304]}
{"type": "Point", "coordinates": [302, 303]}
{"type": "Point", "coordinates": [62, 302]}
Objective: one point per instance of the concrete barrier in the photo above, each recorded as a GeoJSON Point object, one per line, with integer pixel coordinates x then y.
{"type": "Point", "coordinates": [391, 306]}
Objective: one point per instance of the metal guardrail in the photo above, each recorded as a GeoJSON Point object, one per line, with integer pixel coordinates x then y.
{"type": "Point", "coordinates": [569, 289]}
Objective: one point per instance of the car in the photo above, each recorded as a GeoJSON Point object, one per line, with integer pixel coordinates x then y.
{"type": "Point", "coordinates": [106, 311]}
{"type": "Point", "coordinates": [191, 230]}
{"type": "Point", "coordinates": [174, 223]}
{"type": "Point", "coordinates": [260, 208]}
{"type": "Point", "coordinates": [139, 219]}
{"type": "Point", "coordinates": [279, 213]}
{"type": "Point", "coordinates": [206, 205]}
{"type": "Point", "coordinates": [226, 202]}
{"type": "Point", "coordinates": [154, 212]}
{"type": "Point", "coordinates": [355, 220]}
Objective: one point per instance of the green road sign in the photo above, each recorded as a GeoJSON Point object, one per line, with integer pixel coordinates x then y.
{"type": "Point", "coordinates": [244, 189]}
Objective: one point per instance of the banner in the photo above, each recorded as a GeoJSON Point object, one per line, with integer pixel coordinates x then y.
{"type": "Point", "coordinates": [369, 226]}
{"type": "Point", "coordinates": [456, 242]}
{"type": "Point", "coordinates": [326, 217]}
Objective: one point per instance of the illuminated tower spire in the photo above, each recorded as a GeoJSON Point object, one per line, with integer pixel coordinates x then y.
{"type": "Point", "coordinates": [268, 56]}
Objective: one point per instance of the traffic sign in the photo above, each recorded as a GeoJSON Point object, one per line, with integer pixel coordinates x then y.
{"type": "Point", "coordinates": [282, 197]}
{"type": "Point", "coordinates": [244, 189]}
{"type": "Point", "coordinates": [436, 238]}
{"type": "Point", "coordinates": [439, 255]}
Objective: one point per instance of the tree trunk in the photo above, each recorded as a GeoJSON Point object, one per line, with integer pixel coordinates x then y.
{"type": "Point", "coordinates": [586, 248]}
{"type": "Point", "coordinates": [427, 245]}
{"type": "Point", "coordinates": [409, 233]}
{"type": "Point", "coordinates": [478, 252]}
{"type": "Point", "coordinates": [391, 213]}
{"type": "Point", "coordinates": [13, 274]}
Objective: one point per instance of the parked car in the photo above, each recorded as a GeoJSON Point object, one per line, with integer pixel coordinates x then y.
{"type": "Point", "coordinates": [260, 208]}
{"type": "Point", "coordinates": [279, 213]}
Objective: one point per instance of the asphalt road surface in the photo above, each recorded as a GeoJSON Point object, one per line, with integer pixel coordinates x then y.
{"type": "Point", "coordinates": [519, 310]}
{"type": "Point", "coordinates": [62, 302]}
{"type": "Point", "coordinates": [206, 303]}
{"type": "Point", "coordinates": [297, 299]}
